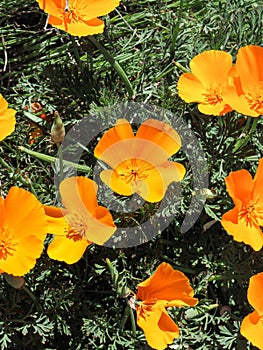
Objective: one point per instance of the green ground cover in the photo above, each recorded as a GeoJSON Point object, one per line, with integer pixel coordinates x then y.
{"type": "Point", "coordinates": [76, 306]}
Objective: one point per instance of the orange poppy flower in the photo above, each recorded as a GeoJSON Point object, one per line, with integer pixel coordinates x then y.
{"type": "Point", "coordinates": [207, 82]}
{"type": "Point", "coordinates": [78, 17]}
{"type": "Point", "coordinates": [82, 222]}
{"type": "Point", "coordinates": [140, 163]}
{"type": "Point", "coordinates": [165, 288]}
{"type": "Point", "coordinates": [7, 119]}
{"type": "Point", "coordinates": [23, 229]}
{"type": "Point", "coordinates": [252, 324]}
{"type": "Point", "coordinates": [245, 220]}
{"type": "Point", "coordinates": [245, 94]}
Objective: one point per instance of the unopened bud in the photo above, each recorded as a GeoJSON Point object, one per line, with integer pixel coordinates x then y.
{"type": "Point", "coordinates": [57, 129]}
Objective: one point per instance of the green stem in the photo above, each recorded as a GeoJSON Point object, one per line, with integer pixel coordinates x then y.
{"type": "Point", "coordinates": [124, 318]}
{"type": "Point", "coordinates": [178, 65]}
{"type": "Point", "coordinates": [51, 159]}
{"type": "Point", "coordinates": [115, 65]}
{"type": "Point", "coordinates": [242, 142]}
{"type": "Point", "coordinates": [133, 323]}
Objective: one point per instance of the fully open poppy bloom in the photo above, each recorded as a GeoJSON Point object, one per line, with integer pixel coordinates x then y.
{"type": "Point", "coordinates": [78, 17]}
{"type": "Point", "coordinates": [245, 220]}
{"type": "Point", "coordinates": [207, 82]}
{"type": "Point", "coordinates": [81, 222]}
{"type": "Point", "coordinates": [252, 324]}
{"type": "Point", "coordinates": [245, 94]}
{"type": "Point", "coordinates": [7, 119]}
{"type": "Point", "coordinates": [23, 229]}
{"type": "Point", "coordinates": [140, 163]}
{"type": "Point", "coordinates": [165, 288]}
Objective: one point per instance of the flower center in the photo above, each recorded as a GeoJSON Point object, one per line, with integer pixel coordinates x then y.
{"type": "Point", "coordinates": [252, 213]}
{"type": "Point", "coordinates": [255, 99]}
{"type": "Point", "coordinates": [77, 227]}
{"type": "Point", "coordinates": [133, 170]}
{"type": "Point", "coordinates": [70, 13]}
{"type": "Point", "coordinates": [213, 95]}
{"type": "Point", "coordinates": [7, 244]}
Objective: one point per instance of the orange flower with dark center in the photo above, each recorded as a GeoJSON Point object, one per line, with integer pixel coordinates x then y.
{"type": "Point", "coordinates": [207, 82]}
{"type": "Point", "coordinates": [245, 94]}
{"type": "Point", "coordinates": [140, 163]}
{"type": "Point", "coordinates": [165, 288]}
{"type": "Point", "coordinates": [252, 324]}
{"type": "Point", "coordinates": [245, 220]}
{"type": "Point", "coordinates": [78, 17]}
{"type": "Point", "coordinates": [82, 221]}
{"type": "Point", "coordinates": [7, 119]}
{"type": "Point", "coordinates": [23, 229]}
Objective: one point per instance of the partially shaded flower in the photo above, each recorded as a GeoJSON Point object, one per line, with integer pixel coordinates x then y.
{"type": "Point", "coordinates": [78, 17]}
{"type": "Point", "coordinates": [207, 82]}
{"type": "Point", "coordinates": [7, 119]}
{"type": "Point", "coordinates": [23, 229]}
{"type": "Point", "coordinates": [165, 288]}
{"type": "Point", "coordinates": [81, 222]}
{"type": "Point", "coordinates": [245, 94]}
{"type": "Point", "coordinates": [252, 324]}
{"type": "Point", "coordinates": [140, 163]}
{"type": "Point", "coordinates": [245, 220]}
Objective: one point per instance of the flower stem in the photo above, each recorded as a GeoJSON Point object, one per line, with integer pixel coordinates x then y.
{"type": "Point", "coordinates": [51, 159]}
{"type": "Point", "coordinates": [242, 142]}
{"type": "Point", "coordinates": [115, 65]}
{"type": "Point", "coordinates": [133, 323]}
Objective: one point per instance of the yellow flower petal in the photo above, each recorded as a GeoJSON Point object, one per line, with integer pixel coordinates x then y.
{"type": "Point", "coordinates": [66, 249]}
{"type": "Point", "coordinates": [252, 329]}
{"type": "Point", "coordinates": [241, 230]}
{"type": "Point", "coordinates": [160, 133]}
{"type": "Point", "coordinates": [79, 28]}
{"type": "Point", "coordinates": [25, 215]}
{"type": "Point", "coordinates": [167, 284]}
{"type": "Point", "coordinates": [159, 329]}
{"type": "Point", "coordinates": [7, 119]}
{"type": "Point", "coordinates": [28, 249]}
{"type": "Point", "coordinates": [254, 292]}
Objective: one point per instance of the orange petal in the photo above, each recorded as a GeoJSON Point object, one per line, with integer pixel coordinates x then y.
{"type": "Point", "coordinates": [95, 8]}
{"type": "Point", "coordinates": [240, 185]}
{"type": "Point", "coordinates": [241, 231]}
{"type": "Point", "coordinates": [57, 225]}
{"type": "Point", "coordinates": [7, 119]}
{"type": "Point", "coordinates": [80, 28]}
{"type": "Point", "coordinates": [160, 133]}
{"type": "Point", "coordinates": [254, 292]}
{"type": "Point", "coordinates": [121, 131]}
{"type": "Point", "coordinates": [249, 66]}
{"type": "Point", "coordinates": [167, 284]}
{"type": "Point", "coordinates": [79, 194]}
{"type": "Point", "coordinates": [53, 7]}
{"type": "Point", "coordinates": [190, 89]}
{"type": "Point", "coordinates": [66, 249]}
{"type": "Point", "coordinates": [100, 228]}
{"type": "Point", "coordinates": [258, 185]}
{"type": "Point", "coordinates": [218, 109]}
{"type": "Point", "coordinates": [153, 188]}
{"type": "Point", "coordinates": [28, 249]}
{"type": "Point", "coordinates": [135, 148]}
{"type": "Point", "coordinates": [25, 215]}
{"type": "Point", "coordinates": [111, 179]}
{"type": "Point", "coordinates": [54, 212]}
{"type": "Point", "coordinates": [212, 67]}
{"type": "Point", "coordinates": [159, 329]}
{"type": "Point", "coordinates": [2, 211]}
{"type": "Point", "coordinates": [252, 329]}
